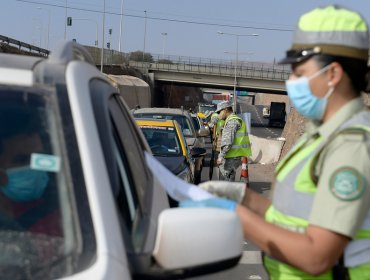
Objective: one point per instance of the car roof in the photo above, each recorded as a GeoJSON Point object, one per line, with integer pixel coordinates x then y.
{"type": "Point", "coordinates": [156, 122]}
{"type": "Point", "coordinates": [173, 111]}
{"type": "Point", "coordinates": [24, 70]}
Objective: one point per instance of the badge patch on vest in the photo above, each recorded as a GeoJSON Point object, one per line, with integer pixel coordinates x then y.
{"type": "Point", "coordinates": [346, 184]}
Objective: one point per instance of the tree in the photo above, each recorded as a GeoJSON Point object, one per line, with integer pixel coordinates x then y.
{"type": "Point", "coordinates": [138, 56]}
{"type": "Point", "coordinates": [165, 61]}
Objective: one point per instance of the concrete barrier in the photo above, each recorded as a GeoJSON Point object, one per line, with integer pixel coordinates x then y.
{"type": "Point", "coordinates": [265, 151]}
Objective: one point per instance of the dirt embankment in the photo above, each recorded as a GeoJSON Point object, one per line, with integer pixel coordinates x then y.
{"type": "Point", "coordinates": [293, 129]}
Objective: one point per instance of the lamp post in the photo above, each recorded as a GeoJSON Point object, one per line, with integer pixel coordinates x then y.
{"type": "Point", "coordinates": [236, 59]}
{"type": "Point", "coordinates": [102, 44]}
{"type": "Point", "coordinates": [47, 42]}
{"type": "Point", "coordinates": [164, 34]}
{"type": "Point", "coordinates": [144, 37]}
{"type": "Point", "coordinates": [120, 27]}
{"type": "Point", "coordinates": [65, 23]}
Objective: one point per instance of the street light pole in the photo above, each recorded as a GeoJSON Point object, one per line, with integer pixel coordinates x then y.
{"type": "Point", "coordinates": [236, 61]}
{"type": "Point", "coordinates": [47, 43]}
{"type": "Point", "coordinates": [236, 65]}
{"type": "Point", "coordinates": [120, 28]}
{"type": "Point", "coordinates": [164, 34]}
{"type": "Point", "coordinates": [144, 36]}
{"type": "Point", "coordinates": [102, 44]}
{"type": "Point", "coordinates": [65, 24]}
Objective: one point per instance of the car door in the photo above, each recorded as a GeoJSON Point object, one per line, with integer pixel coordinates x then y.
{"type": "Point", "coordinates": [138, 198]}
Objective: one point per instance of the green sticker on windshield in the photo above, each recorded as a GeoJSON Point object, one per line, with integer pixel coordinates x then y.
{"type": "Point", "coordinates": [45, 162]}
{"type": "Point", "coordinates": [347, 184]}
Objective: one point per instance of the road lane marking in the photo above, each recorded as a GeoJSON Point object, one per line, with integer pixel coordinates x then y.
{"type": "Point", "coordinates": [251, 257]}
{"type": "Point", "coordinates": [254, 277]}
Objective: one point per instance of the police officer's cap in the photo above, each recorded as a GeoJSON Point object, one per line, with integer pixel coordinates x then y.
{"type": "Point", "coordinates": [332, 30]}
{"type": "Point", "coordinates": [222, 105]}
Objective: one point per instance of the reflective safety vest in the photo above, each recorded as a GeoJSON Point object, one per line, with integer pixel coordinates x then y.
{"type": "Point", "coordinates": [241, 146]}
{"type": "Point", "coordinates": [219, 126]}
{"type": "Point", "coordinates": [293, 197]}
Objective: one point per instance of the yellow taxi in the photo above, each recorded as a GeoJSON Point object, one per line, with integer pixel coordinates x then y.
{"type": "Point", "coordinates": [168, 145]}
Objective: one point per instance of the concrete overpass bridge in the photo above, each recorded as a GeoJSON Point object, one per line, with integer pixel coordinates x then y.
{"type": "Point", "coordinates": [200, 72]}
{"type": "Point", "coordinates": [204, 72]}
{"type": "Point", "coordinates": [250, 76]}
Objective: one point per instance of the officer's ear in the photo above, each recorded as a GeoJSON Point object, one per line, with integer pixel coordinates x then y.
{"type": "Point", "coordinates": [335, 73]}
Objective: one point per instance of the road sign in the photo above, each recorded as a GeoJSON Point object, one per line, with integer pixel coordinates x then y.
{"type": "Point", "coordinates": [242, 93]}
{"type": "Point", "coordinates": [69, 21]}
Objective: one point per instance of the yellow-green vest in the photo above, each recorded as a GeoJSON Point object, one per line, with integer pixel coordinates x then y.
{"type": "Point", "coordinates": [220, 124]}
{"type": "Point", "coordinates": [293, 197]}
{"type": "Point", "coordinates": [241, 146]}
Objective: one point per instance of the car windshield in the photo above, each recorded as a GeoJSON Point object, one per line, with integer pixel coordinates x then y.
{"type": "Point", "coordinates": [163, 141]}
{"type": "Point", "coordinates": [182, 120]}
{"type": "Point", "coordinates": [39, 233]}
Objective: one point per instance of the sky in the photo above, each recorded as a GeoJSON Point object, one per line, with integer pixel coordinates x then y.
{"type": "Point", "coordinates": [186, 28]}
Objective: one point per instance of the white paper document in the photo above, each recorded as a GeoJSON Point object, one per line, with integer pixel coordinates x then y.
{"type": "Point", "coordinates": [176, 188]}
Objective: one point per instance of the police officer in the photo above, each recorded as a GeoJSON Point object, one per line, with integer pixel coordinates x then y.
{"type": "Point", "coordinates": [216, 125]}
{"type": "Point", "coordinates": [234, 142]}
{"type": "Point", "coordinates": [318, 222]}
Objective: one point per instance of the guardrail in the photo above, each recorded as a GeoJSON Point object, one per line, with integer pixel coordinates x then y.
{"type": "Point", "coordinates": [199, 65]}
{"type": "Point", "coordinates": [20, 45]}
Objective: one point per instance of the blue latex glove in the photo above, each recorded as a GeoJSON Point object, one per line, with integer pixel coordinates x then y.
{"type": "Point", "coordinates": [211, 202]}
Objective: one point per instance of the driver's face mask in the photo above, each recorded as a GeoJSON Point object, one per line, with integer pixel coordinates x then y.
{"type": "Point", "coordinates": [25, 184]}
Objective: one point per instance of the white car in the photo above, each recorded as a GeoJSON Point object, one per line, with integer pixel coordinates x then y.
{"type": "Point", "coordinates": [78, 200]}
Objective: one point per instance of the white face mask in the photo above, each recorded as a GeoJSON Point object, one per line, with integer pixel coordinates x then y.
{"type": "Point", "coordinates": [306, 103]}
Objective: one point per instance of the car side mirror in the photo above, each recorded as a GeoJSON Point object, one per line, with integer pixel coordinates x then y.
{"type": "Point", "coordinates": [189, 239]}
{"type": "Point", "coordinates": [186, 132]}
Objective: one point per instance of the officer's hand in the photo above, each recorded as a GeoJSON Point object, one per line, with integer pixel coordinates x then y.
{"type": "Point", "coordinates": [219, 161]}
{"type": "Point", "coordinates": [211, 202]}
{"type": "Point", "coordinates": [230, 190]}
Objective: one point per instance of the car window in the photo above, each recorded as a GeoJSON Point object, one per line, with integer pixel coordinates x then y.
{"type": "Point", "coordinates": [41, 232]}
{"type": "Point", "coordinates": [163, 141]}
{"type": "Point", "coordinates": [182, 120]}
{"type": "Point", "coordinates": [134, 201]}
{"type": "Point", "coordinates": [124, 157]}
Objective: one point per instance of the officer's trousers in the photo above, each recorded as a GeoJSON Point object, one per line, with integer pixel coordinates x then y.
{"type": "Point", "coordinates": [228, 168]}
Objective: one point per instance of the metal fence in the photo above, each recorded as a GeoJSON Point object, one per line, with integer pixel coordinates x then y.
{"type": "Point", "coordinates": [200, 65]}
{"type": "Point", "coordinates": [22, 46]}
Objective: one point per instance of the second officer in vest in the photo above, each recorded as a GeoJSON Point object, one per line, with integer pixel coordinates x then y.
{"type": "Point", "coordinates": [235, 142]}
